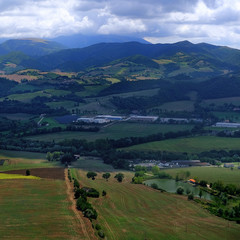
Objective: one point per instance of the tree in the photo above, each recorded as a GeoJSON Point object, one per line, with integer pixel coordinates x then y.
{"type": "Point", "coordinates": [119, 177]}
{"type": "Point", "coordinates": [104, 193]}
{"type": "Point", "coordinates": [106, 176]}
{"type": "Point", "coordinates": [91, 175]}
{"type": "Point", "coordinates": [190, 196]}
{"type": "Point", "coordinates": [154, 186]}
{"type": "Point", "coordinates": [27, 172]}
{"type": "Point", "coordinates": [155, 170]}
{"type": "Point", "coordinates": [200, 193]}
{"type": "Point", "coordinates": [180, 190]}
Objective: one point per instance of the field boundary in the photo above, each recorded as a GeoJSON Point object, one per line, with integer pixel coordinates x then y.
{"type": "Point", "coordinates": [86, 227]}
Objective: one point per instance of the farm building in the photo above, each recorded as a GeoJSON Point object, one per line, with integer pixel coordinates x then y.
{"type": "Point", "coordinates": [228, 165]}
{"type": "Point", "coordinates": [110, 117]}
{"type": "Point", "coordinates": [192, 181]}
{"type": "Point", "coordinates": [227, 125]}
{"type": "Point", "coordinates": [180, 120]}
{"type": "Point", "coordinates": [93, 120]}
{"type": "Point", "coordinates": [143, 118]}
{"type": "Point", "coordinates": [188, 163]}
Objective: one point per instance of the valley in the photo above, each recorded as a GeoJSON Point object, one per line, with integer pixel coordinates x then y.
{"type": "Point", "coordinates": [130, 108]}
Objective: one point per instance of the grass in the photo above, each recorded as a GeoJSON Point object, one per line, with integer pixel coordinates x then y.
{"type": "Point", "coordinates": [36, 209]}
{"type": "Point", "coordinates": [190, 145]}
{"type": "Point", "coordinates": [232, 116]}
{"type": "Point", "coordinates": [27, 97]}
{"type": "Point", "coordinates": [92, 164]}
{"type": "Point", "coordinates": [137, 212]}
{"type": "Point", "coordinates": [16, 176]}
{"type": "Point", "coordinates": [17, 116]}
{"type": "Point", "coordinates": [178, 106]}
{"type": "Point", "coordinates": [115, 131]}
{"type": "Point", "coordinates": [15, 160]}
{"type": "Point", "coordinates": [66, 104]}
{"type": "Point", "coordinates": [221, 101]}
{"type": "Point", "coordinates": [210, 174]}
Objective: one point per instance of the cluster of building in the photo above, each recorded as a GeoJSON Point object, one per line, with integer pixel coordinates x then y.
{"type": "Point", "coordinates": [100, 119]}
{"type": "Point", "coordinates": [180, 120]}
{"type": "Point", "coordinates": [172, 164]}
{"type": "Point", "coordinates": [227, 125]}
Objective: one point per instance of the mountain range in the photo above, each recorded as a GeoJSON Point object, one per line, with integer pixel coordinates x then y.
{"type": "Point", "coordinates": [171, 60]}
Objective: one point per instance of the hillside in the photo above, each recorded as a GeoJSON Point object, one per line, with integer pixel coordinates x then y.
{"type": "Point", "coordinates": [30, 46]}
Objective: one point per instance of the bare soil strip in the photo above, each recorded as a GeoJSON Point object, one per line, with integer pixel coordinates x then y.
{"type": "Point", "coordinates": [85, 224]}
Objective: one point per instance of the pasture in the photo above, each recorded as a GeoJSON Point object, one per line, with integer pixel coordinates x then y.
{"type": "Point", "coordinates": [15, 160]}
{"type": "Point", "coordinates": [178, 106]}
{"type": "Point", "coordinates": [137, 212]}
{"type": "Point", "coordinates": [115, 131]}
{"type": "Point", "coordinates": [36, 209]}
{"type": "Point", "coordinates": [210, 174]}
{"type": "Point", "coordinates": [190, 145]}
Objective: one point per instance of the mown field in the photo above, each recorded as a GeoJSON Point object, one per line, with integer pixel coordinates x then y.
{"type": "Point", "coordinates": [36, 209]}
{"type": "Point", "coordinates": [115, 131]}
{"type": "Point", "coordinates": [190, 145]}
{"type": "Point", "coordinates": [15, 160]}
{"type": "Point", "coordinates": [210, 174]}
{"type": "Point", "coordinates": [137, 212]}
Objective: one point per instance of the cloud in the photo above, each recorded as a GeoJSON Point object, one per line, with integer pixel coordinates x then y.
{"type": "Point", "coordinates": [212, 21]}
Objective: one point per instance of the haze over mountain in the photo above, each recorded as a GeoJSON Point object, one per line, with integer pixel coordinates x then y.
{"type": "Point", "coordinates": [81, 40]}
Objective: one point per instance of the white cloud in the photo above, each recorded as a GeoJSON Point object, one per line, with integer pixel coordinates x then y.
{"type": "Point", "coordinates": [214, 21]}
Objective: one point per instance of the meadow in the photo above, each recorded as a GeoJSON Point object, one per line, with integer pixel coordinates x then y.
{"type": "Point", "coordinates": [190, 145]}
{"type": "Point", "coordinates": [135, 212]}
{"type": "Point", "coordinates": [115, 131]}
{"type": "Point", "coordinates": [210, 174]}
{"type": "Point", "coordinates": [15, 160]}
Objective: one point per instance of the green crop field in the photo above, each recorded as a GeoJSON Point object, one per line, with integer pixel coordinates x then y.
{"type": "Point", "coordinates": [190, 145]}
{"type": "Point", "coordinates": [23, 160]}
{"type": "Point", "coordinates": [137, 212]}
{"type": "Point", "coordinates": [210, 174]}
{"type": "Point", "coordinates": [115, 131]}
{"type": "Point", "coordinates": [35, 209]}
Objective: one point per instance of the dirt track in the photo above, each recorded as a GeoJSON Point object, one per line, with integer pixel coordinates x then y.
{"type": "Point", "coordinates": [85, 225]}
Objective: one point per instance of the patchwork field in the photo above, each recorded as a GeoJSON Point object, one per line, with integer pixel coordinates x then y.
{"type": "Point", "coordinates": [190, 145]}
{"type": "Point", "coordinates": [36, 209]}
{"type": "Point", "coordinates": [138, 212]}
{"type": "Point", "coordinates": [115, 131]}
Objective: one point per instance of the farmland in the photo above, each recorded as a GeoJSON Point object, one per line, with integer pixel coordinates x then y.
{"type": "Point", "coordinates": [24, 160]}
{"type": "Point", "coordinates": [210, 174]}
{"type": "Point", "coordinates": [24, 205]}
{"type": "Point", "coordinates": [190, 145]}
{"type": "Point", "coordinates": [115, 131]}
{"type": "Point", "coordinates": [132, 211]}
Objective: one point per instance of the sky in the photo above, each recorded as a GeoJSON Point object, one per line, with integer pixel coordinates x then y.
{"type": "Point", "coordinates": [158, 21]}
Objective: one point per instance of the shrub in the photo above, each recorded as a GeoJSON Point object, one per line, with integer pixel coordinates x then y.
{"type": "Point", "coordinates": [154, 186]}
{"type": "Point", "coordinates": [98, 227]}
{"type": "Point", "coordinates": [76, 183]}
{"type": "Point", "coordinates": [27, 172]}
{"type": "Point", "coordinates": [104, 193]}
{"type": "Point", "coordinates": [180, 190]}
{"type": "Point", "coordinates": [190, 196]}
{"type": "Point", "coordinates": [101, 234]}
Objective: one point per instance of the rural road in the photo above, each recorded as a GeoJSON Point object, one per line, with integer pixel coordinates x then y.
{"type": "Point", "coordinates": [85, 224]}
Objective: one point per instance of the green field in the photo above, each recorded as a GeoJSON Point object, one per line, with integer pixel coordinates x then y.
{"type": "Point", "coordinates": [231, 116]}
{"type": "Point", "coordinates": [92, 164]}
{"type": "Point", "coordinates": [221, 101]}
{"type": "Point", "coordinates": [24, 160]}
{"type": "Point", "coordinates": [137, 212]}
{"type": "Point", "coordinates": [190, 145]}
{"type": "Point", "coordinates": [178, 106]}
{"type": "Point", "coordinates": [210, 174]}
{"type": "Point", "coordinates": [35, 209]}
{"type": "Point", "coordinates": [115, 131]}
